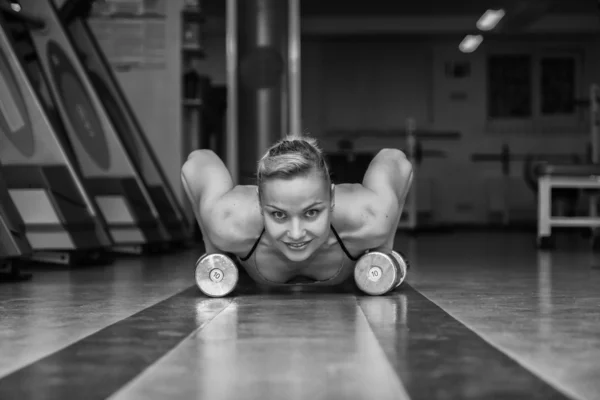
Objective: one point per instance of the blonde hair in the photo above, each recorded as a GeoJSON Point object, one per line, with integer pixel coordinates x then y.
{"type": "Point", "coordinates": [290, 157]}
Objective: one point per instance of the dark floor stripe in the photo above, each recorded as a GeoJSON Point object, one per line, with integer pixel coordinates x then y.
{"type": "Point", "coordinates": [437, 357]}
{"type": "Point", "coordinates": [100, 364]}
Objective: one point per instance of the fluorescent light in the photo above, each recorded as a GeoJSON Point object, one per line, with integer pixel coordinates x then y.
{"type": "Point", "coordinates": [16, 7]}
{"type": "Point", "coordinates": [470, 43]}
{"type": "Point", "coordinates": [489, 19]}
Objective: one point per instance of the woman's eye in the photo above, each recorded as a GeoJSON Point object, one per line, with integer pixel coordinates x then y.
{"type": "Point", "coordinates": [312, 213]}
{"type": "Point", "coordinates": [277, 215]}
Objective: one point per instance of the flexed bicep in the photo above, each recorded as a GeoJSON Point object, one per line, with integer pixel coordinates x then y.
{"type": "Point", "coordinates": [205, 180]}
{"type": "Point", "coordinates": [389, 176]}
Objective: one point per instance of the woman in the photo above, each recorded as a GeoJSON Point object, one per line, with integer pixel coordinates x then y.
{"type": "Point", "coordinates": [295, 224]}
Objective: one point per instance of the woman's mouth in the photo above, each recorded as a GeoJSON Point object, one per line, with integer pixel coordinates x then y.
{"type": "Point", "coordinates": [298, 245]}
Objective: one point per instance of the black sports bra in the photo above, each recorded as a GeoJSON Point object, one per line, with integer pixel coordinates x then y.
{"type": "Point", "coordinates": [345, 250]}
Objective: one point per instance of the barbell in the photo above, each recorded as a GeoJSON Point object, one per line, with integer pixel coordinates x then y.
{"type": "Point", "coordinates": [531, 162]}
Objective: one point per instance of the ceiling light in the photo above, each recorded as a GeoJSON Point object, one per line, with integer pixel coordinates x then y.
{"type": "Point", "coordinates": [490, 19]}
{"type": "Point", "coordinates": [470, 43]}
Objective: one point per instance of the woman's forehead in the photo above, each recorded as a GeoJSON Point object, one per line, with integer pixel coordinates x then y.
{"type": "Point", "coordinates": [296, 192]}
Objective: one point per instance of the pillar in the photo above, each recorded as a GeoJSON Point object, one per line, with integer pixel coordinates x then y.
{"type": "Point", "coordinates": [257, 51]}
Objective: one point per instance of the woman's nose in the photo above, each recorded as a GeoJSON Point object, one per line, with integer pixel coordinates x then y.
{"type": "Point", "coordinates": [296, 230]}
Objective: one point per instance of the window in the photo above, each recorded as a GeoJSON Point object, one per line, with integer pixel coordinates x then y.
{"type": "Point", "coordinates": [532, 86]}
{"type": "Point", "coordinates": [509, 88]}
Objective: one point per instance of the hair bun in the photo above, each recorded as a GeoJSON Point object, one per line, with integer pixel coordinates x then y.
{"type": "Point", "coordinates": [292, 155]}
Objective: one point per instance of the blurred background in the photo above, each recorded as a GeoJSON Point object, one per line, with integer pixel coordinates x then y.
{"type": "Point", "coordinates": [478, 94]}
{"type": "Point", "coordinates": [367, 68]}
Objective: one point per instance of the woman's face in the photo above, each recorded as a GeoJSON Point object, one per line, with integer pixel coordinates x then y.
{"type": "Point", "coordinates": [297, 213]}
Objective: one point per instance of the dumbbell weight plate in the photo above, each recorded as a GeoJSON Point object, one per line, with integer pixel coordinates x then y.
{"type": "Point", "coordinates": [403, 267]}
{"type": "Point", "coordinates": [216, 275]}
{"type": "Point", "coordinates": [377, 273]}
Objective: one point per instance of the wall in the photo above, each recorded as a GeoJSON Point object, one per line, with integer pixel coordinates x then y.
{"type": "Point", "coordinates": [475, 189]}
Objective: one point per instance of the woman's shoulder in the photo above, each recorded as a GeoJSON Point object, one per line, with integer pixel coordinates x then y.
{"type": "Point", "coordinates": [237, 223]}
{"type": "Point", "coordinates": [360, 217]}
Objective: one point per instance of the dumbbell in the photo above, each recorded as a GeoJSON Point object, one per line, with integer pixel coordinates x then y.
{"type": "Point", "coordinates": [216, 274]}
{"type": "Point", "coordinates": [379, 272]}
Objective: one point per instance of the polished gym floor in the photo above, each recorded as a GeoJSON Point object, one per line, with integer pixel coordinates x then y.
{"type": "Point", "coordinates": [483, 316]}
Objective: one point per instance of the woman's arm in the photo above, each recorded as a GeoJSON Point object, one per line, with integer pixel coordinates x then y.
{"type": "Point", "coordinates": [229, 216]}
{"type": "Point", "coordinates": [389, 177]}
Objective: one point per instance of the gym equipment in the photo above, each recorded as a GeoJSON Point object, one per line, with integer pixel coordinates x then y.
{"type": "Point", "coordinates": [61, 221]}
{"type": "Point", "coordinates": [584, 177]}
{"type": "Point", "coordinates": [411, 140]}
{"type": "Point", "coordinates": [74, 15]}
{"type": "Point", "coordinates": [216, 274]}
{"type": "Point", "coordinates": [13, 243]}
{"type": "Point", "coordinates": [109, 175]}
{"type": "Point", "coordinates": [564, 201]}
{"type": "Point", "coordinates": [506, 157]}
{"type": "Point", "coordinates": [11, 8]}
{"type": "Point", "coordinates": [377, 273]}
{"type": "Point", "coordinates": [565, 176]}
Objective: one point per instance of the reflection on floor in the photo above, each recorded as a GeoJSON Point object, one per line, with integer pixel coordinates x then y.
{"type": "Point", "coordinates": [483, 316]}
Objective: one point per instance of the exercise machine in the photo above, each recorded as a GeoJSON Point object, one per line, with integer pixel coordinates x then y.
{"type": "Point", "coordinates": [565, 176]}
{"type": "Point", "coordinates": [584, 177]}
{"type": "Point", "coordinates": [505, 158]}
{"type": "Point", "coordinates": [13, 243]}
{"type": "Point", "coordinates": [110, 176]}
{"type": "Point", "coordinates": [61, 221]}
{"type": "Point", "coordinates": [74, 15]}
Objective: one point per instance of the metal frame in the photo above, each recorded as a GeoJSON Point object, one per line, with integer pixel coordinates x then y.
{"type": "Point", "coordinates": [545, 219]}
{"type": "Point", "coordinates": [294, 67]}
{"type": "Point", "coordinates": [232, 87]}
{"type": "Point", "coordinates": [547, 182]}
